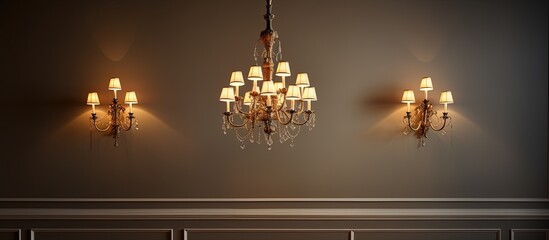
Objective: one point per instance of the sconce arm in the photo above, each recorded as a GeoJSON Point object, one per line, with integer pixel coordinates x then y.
{"type": "Point", "coordinates": [409, 116]}
{"type": "Point", "coordinates": [444, 117]}
{"type": "Point", "coordinates": [93, 118]}
{"type": "Point", "coordinates": [131, 117]}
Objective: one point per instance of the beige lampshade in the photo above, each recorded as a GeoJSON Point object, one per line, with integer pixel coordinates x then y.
{"type": "Point", "coordinates": [93, 98]}
{"type": "Point", "coordinates": [227, 95]}
{"type": "Point", "coordinates": [302, 80]}
{"type": "Point", "coordinates": [237, 79]}
{"type": "Point", "coordinates": [283, 69]}
{"type": "Point", "coordinates": [268, 88]}
{"type": "Point", "coordinates": [293, 93]}
{"type": "Point", "coordinates": [408, 96]}
{"type": "Point", "coordinates": [426, 84]}
{"type": "Point", "coordinates": [131, 97]}
{"type": "Point", "coordinates": [247, 99]}
{"type": "Point", "coordinates": [255, 73]}
{"type": "Point", "coordinates": [114, 84]}
{"type": "Point", "coordinates": [309, 94]}
{"type": "Point", "coordinates": [278, 86]}
{"type": "Point", "coordinates": [446, 97]}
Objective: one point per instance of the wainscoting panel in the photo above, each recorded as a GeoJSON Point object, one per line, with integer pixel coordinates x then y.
{"type": "Point", "coordinates": [529, 234]}
{"type": "Point", "coordinates": [266, 234]}
{"type": "Point", "coordinates": [427, 234]}
{"type": "Point", "coordinates": [10, 234]}
{"type": "Point", "coordinates": [103, 234]}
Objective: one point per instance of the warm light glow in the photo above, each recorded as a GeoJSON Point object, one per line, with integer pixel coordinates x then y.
{"type": "Point", "coordinates": [236, 79]}
{"type": "Point", "coordinates": [309, 94]}
{"type": "Point", "coordinates": [114, 84]}
{"type": "Point", "coordinates": [268, 88]}
{"type": "Point", "coordinates": [256, 73]}
{"type": "Point", "coordinates": [131, 98]}
{"type": "Point", "coordinates": [426, 84]}
{"type": "Point", "coordinates": [93, 98]}
{"type": "Point", "coordinates": [422, 119]}
{"type": "Point", "coordinates": [283, 69]}
{"type": "Point", "coordinates": [227, 95]}
{"type": "Point", "coordinates": [293, 93]}
{"type": "Point", "coordinates": [302, 80]}
{"type": "Point", "coordinates": [408, 96]}
{"type": "Point", "coordinates": [446, 97]}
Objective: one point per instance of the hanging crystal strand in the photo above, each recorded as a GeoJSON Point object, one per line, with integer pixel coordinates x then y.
{"type": "Point", "coordinates": [292, 142]}
{"type": "Point", "coordinates": [242, 145]}
{"type": "Point", "coordinates": [311, 123]}
{"type": "Point", "coordinates": [281, 134]}
{"type": "Point", "coordinates": [258, 137]}
{"type": "Point", "coordinates": [451, 135]}
{"type": "Point", "coordinates": [251, 135]}
{"type": "Point", "coordinates": [224, 125]}
{"type": "Point", "coordinates": [136, 124]}
{"type": "Point", "coordinates": [269, 141]}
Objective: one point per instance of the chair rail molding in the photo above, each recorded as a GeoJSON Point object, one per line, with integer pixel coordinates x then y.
{"type": "Point", "coordinates": [277, 213]}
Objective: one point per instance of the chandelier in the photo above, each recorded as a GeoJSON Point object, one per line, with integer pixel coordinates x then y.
{"type": "Point", "coordinates": [115, 115]}
{"type": "Point", "coordinates": [262, 113]}
{"type": "Point", "coordinates": [425, 117]}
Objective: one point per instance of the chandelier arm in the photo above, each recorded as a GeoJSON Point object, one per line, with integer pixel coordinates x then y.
{"type": "Point", "coordinates": [283, 103]}
{"type": "Point", "coordinates": [287, 117]}
{"type": "Point", "coordinates": [306, 120]}
{"type": "Point", "coordinates": [239, 109]}
{"type": "Point", "coordinates": [227, 116]}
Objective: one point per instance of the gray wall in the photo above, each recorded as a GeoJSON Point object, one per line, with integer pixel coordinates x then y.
{"type": "Point", "coordinates": [360, 55]}
{"type": "Point", "coordinates": [486, 179]}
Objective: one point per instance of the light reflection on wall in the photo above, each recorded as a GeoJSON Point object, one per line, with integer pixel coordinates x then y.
{"type": "Point", "coordinates": [154, 138]}
{"type": "Point", "coordinates": [114, 26]}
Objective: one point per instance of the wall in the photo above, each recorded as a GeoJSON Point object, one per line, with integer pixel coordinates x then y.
{"type": "Point", "coordinates": [360, 55]}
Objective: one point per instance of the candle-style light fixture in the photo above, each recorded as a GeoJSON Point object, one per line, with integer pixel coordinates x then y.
{"type": "Point", "coordinates": [267, 110]}
{"type": "Point", "coordinates": [425, 117]}
{"type": "Point", "coordinates": [117, 121]}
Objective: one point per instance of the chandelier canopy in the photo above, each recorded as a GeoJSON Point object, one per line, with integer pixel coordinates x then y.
{"type": "Point", "coordinates": [262, 113]}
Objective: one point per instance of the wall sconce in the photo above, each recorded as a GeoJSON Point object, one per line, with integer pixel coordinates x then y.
{"type": "Point", "coordinates": [117, 120]}
{"type": "Point", "coordinates": [425, 116]}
